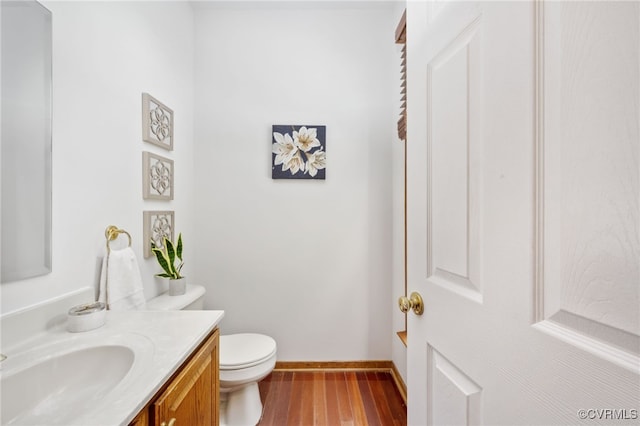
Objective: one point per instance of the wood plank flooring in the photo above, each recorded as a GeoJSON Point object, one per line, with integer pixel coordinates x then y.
{"type": "Point", "coordinates": [331, 398]}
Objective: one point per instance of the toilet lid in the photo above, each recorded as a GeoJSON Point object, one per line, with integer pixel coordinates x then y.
{"type": "Point", "coordinates": [245, 350]}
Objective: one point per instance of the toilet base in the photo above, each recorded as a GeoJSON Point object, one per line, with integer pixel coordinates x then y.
{"type": "Point", "coordinates": [241, 407]}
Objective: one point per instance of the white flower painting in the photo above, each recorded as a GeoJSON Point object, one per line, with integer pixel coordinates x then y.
{"type": "Point", "coordinates": [299, 152]}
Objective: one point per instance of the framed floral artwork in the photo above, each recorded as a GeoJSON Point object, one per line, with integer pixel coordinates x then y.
{"type": "Point", "coordinates": [156, 226]}
{"type": "Point", "coordinates": [298, 152]}
{"type": "Point", "coordinates": [157, 177]}
{"type": "Point", "coordinates": [157, 122]}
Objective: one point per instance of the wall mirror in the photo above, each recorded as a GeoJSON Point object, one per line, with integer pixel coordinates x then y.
{"type": "Point", "coordinates": [26, 140]}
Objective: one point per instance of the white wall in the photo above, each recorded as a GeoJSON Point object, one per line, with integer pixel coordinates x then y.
{"type": "Point", "coordinates": [398, 349]}
{"type": "Point", "coordinates": [323, 291]}
{"type": "Point", "coordinates": [308, 262]}
{"type": "Point", "coordinates": [105, 54]}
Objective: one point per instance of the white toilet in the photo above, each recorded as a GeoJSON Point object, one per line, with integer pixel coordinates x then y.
{"type": "Point", "coordinates": [245, 359]}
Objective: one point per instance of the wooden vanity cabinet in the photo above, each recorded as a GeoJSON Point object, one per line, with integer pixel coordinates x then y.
{"type": "Point", "coordinates": [141, 419]}
{"type": "Point", "coordinates": [192, 396]}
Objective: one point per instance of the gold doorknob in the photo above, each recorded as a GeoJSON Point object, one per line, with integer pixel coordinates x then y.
{"type": "Point", "coordinates": [412, 302]}
{"type": "Point", "coordinates": [172, 422]}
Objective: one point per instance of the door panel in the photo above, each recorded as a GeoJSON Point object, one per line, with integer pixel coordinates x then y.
{"type": "Point", "coordinates": [523, 215]}
{"type": "Point", "coordinates": [454, 399]}
{"type": "Point", "coordinates": [453, 180]}
{"type": "Point", "coordinates": [588, 188]}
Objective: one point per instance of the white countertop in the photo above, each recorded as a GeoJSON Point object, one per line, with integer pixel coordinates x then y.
{"type": "Point", "coordinates": [166, 339]}
{"type": "Point", "coordinates": [175, 335]}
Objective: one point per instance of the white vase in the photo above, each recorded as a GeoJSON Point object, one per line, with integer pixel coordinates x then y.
{"type": "Point", "coordinates": [177, 287]}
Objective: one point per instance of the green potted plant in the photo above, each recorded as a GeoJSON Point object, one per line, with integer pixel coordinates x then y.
{"type": "Point", "coordinates": [167, 256]}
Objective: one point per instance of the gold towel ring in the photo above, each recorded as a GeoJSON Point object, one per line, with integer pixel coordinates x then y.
{"type": "Point", "coordinates": [112, 232]}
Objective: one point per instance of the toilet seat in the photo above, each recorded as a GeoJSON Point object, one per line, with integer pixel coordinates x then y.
{"type": "Point", "coordinates": [244, 350]}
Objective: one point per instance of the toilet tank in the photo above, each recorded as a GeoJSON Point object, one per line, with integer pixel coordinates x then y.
{"type": "Point", "coordinates": [193, 299]}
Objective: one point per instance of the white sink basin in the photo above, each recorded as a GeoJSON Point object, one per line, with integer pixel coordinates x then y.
{"type": "Point", "coordinates": [58, 383]}
{"type": "Point", "coordinates": [101, 377]}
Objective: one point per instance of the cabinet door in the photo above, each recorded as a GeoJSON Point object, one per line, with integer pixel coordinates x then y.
{"type": "Point", "coordinates": [141, 419]}
{"type": "Point", "coordinates": [192, 397]}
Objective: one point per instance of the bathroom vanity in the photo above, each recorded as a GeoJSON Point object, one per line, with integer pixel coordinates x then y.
{"type": "Point", "coordinates": [139, 368]}
{"type": "Point", "coordinates": [192, 395]}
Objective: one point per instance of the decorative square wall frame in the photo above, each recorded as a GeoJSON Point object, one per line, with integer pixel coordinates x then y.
{"type": "Point", "coordinates": [298, 152]}
{"type": "Point", "coordinates": [156, 226]}
{"type": "Point", "coordinates": [157, 177]}
{"type": "Point", "coordinates": [157, 122]}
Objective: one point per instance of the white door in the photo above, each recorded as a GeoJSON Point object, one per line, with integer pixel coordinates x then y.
{"type": "Point", "coordinates": [524, 212]}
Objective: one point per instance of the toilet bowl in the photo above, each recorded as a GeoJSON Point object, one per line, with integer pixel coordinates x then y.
{"type": "Point", "coordinates": [245, 359]}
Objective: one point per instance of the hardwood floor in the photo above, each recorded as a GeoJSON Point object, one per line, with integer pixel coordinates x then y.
{"type": "Point", "coordinates": [331, 398]}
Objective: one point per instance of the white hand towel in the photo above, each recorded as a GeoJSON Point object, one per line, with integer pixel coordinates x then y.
{"type": "Point", "coordinates": [121, 282]}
